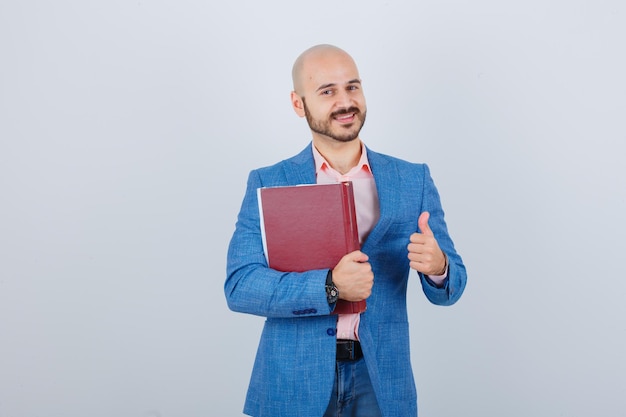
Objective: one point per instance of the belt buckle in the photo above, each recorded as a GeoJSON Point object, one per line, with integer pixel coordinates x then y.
{"type": "Point", "coordinates": [348, 348]}
{"type": "Point", "coordinates": [351, 350]}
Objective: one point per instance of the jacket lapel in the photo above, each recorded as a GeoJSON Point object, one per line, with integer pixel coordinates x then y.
{"type": "Point", "coordinates": [301, 168]}
{"type": "Point", "coordinates": [386, 178]}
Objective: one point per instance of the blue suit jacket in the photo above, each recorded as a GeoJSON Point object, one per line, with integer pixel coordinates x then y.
{"type": "Point", "coordinates": [294, 368]}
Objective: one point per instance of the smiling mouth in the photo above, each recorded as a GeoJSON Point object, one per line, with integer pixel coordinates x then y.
{"type": "Point", "coordinates": [345, 115]}
{"type": "Point", "coordinates": [345, 118]}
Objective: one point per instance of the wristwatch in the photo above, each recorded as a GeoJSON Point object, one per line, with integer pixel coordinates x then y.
{"type": "Point", "coordinates": [332, 293]}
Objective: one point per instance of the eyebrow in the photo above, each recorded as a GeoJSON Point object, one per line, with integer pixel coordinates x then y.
{"type": "Point", "coordinates": [324, 86]}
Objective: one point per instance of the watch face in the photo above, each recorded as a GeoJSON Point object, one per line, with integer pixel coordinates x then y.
{"type": "Point", "coordinates": [332, 294]}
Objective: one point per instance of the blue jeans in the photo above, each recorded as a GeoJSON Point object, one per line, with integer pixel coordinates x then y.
{"type": "Point", "coordinates": [353, 394]}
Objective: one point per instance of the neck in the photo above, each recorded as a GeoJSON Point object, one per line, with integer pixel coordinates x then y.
{"type": "Point", "coordinates": [342, 156]}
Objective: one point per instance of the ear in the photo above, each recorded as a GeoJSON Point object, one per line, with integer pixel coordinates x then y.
{"type": "Point", "coordinates": [297, 103]}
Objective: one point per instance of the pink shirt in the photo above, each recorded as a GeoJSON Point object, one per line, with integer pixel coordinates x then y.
{"type": "Point", "coordinates": [367, 213]}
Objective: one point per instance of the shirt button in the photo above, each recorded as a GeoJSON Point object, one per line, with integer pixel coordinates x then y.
{"type": "Point", "coordinates": [331, 332]}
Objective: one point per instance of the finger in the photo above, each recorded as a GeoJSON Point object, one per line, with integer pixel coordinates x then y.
{"type": "Point", "coordinates": [422, 223]}
{"type": "Point", "coordinates": [418, 238]}
{"type": "Point", "coordinates": [357, 256]}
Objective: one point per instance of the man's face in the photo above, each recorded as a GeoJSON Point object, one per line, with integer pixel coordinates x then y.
{"type": "Point", "coordinates": [346, 127]}
{"type": "Point", "coordinates": [333, 100]}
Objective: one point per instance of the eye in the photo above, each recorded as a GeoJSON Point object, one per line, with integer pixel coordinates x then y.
{"type": "Point", "coordinates": [353, 87]}
{"type": "Point", "coordinates": [327, 92]}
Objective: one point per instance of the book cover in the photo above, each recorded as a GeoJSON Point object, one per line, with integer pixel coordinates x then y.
{"type": "Point", "coordinates": [307, 227]}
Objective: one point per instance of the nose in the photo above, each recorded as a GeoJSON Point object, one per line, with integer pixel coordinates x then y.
{"type": "Point", "coordinates": [344, 99]}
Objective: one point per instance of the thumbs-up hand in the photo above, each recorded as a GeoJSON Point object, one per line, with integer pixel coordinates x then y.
{"type": "Point", "coordinates": [425, 256]}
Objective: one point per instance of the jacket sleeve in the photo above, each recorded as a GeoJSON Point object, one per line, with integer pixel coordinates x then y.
{"type": "Point", "coordinates": [454, 285]}
{"type": "Point", "coordinates": [254, 288]}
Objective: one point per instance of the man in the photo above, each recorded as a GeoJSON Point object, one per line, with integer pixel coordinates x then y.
{"type": "Point", "coordinates": [358, 365]}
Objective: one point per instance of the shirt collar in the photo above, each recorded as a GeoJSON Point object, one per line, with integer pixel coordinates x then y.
{"type": "Point", "coordinates": [321, 164]}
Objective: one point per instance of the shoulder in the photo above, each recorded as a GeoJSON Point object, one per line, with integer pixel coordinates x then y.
{"type": "Point", "coordinates": [300, 158]}
{"type": "Point", "coordinates": [296, 169]}
{"type": "Point", "coordinates": [383, 161]}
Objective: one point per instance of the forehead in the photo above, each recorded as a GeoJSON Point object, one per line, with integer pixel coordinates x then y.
{"type": "Point", "coordinates": [329, 68]}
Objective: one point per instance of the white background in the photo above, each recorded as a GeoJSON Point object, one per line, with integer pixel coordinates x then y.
{"type": "Point", "coordinates": [128, 128]}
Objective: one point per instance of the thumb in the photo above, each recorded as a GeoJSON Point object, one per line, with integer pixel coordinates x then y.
{"type": "Point", "coordinates": [422, 223]}
{"type": "Point", "coordinates": [357, 256]}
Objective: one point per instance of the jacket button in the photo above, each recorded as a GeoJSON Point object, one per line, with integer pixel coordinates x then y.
{"type": "Point", "coordinates": [331, 332]}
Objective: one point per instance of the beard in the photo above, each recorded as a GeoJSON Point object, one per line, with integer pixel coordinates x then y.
{"type": "Point", "coordinates": [345, 133]}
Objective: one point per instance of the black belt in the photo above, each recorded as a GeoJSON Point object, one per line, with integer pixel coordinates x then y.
{"type": "Point", "coordinates": [348, 350]}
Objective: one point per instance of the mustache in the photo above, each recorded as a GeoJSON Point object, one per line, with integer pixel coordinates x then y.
{"type": "Point", "coordinates": [354, 110]}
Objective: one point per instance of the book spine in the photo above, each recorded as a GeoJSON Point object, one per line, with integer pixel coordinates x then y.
{"type": "Point", "coordinates": [351, 228]}
{"type": "Point", "coordinates": [352, 244]}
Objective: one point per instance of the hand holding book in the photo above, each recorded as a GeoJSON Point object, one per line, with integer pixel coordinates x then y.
{"type": "Point", "coordinates": [353, 277]}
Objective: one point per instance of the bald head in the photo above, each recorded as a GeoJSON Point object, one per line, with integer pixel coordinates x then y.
{"type": "Point", "coordinates": [312, 59]}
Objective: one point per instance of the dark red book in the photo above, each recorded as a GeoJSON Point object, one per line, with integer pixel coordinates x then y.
{"type": "Point", "coordinates": [307, 227]}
